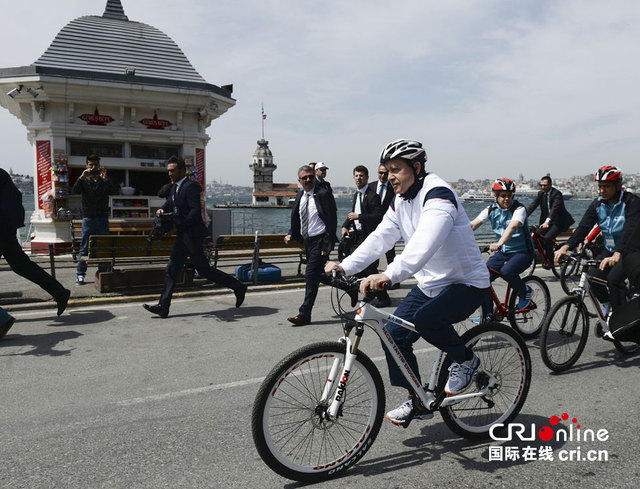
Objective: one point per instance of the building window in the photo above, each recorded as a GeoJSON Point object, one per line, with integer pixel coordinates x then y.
{"type": "Point", "coordinates": [154, 151]}
{"type": "Point", "coordinates": [262, 198]}
{"type": "Point", "coordinates": [78, 147]}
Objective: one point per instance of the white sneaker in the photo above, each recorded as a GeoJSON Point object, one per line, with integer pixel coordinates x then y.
{"type": "Point", "coordinates": [80, 280]}
{"type": "Point", "coordinates": [401, 414]}
{"type": "Point", "coordinates": [461, 374]}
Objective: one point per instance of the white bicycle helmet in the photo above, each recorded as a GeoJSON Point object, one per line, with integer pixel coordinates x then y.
{"type": "Point", "coordinates": [404, 148]}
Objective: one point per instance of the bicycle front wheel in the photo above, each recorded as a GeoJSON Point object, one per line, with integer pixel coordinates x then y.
{"type": "Point", "coordinates": [503, 355]}
{"type": "Point", "coordinates": [528, 322]}
{"type": "Point", "coordinates": [290, 430]}
{"type": "Point", "coordinates": [564, 333]}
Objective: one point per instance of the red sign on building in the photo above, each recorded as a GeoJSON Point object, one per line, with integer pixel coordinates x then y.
{"type": "Point", "coordinates": [200, 166]}
{"type": "Point", "coordinates": [96, 119]}
{"type": "Point", "coordinates": [43, 160]}
{"type": "Point", "coordinates": [155, 123]}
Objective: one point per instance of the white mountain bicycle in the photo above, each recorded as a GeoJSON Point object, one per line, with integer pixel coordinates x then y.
{"type": "Point", "coordinates": [320, 409]}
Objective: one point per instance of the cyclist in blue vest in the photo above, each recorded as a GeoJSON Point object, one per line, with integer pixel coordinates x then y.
{"type": "Point", "coordinates": [617, 212]}
{"type": "Point", "coordinates": [514, 248]}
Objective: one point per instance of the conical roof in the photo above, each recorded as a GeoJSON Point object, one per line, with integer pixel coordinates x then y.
{"type": "Point", "coordinates": [112, 47]}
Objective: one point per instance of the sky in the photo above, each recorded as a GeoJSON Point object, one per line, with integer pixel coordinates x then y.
{"type": "Point", "coordinates": [492, 88]}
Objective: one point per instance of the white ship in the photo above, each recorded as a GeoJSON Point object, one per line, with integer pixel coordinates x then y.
{"type": "Point", "coordinates": [475, 195]}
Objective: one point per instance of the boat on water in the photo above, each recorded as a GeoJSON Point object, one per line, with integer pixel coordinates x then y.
{"type": "Point", "coordinates": [475, 195]}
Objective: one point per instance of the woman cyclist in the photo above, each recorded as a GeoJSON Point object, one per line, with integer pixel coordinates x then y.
{"type": "Point", "coordinates": [617, 212]}
{"type": "Point", "coordinates": [514, 248]}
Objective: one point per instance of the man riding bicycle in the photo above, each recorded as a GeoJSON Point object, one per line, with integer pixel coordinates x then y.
{"type": "Point", "coordinates": [441, 252]}
{"type": "Point", "coordinates": [514, 248]}
{"type": "Point", "coordinates": [617, 212]}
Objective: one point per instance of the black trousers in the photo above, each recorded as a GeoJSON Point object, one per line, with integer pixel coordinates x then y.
{"type": "Point", "coordinates": [631, 264]}
{"type": "Point", "coordinates": [23, 266]}
{"type": "Point", "coordinates": [549, 235]}
{"type": "Point", "coordinates": [188, 245]}
{"type": "Point", "coordinates": [615, 277]}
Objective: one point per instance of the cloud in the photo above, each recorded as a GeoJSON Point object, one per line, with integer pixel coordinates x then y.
{"type": "Point", "coordinates": [491, 87]}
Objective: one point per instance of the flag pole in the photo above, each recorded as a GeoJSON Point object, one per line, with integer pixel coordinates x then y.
{"type": "Point", "coordinates": [262, 121]}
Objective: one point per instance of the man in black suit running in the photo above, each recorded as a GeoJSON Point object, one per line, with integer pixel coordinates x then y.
{"type": "Point", "coordinates": [554, 217]}
{"type": "Point", "coordinates": [314, 219]}
{"type": "Point", "coordinates": [12, 218]}
{"type": "Point", "coordinates": [366, 213]}
{"type": "Point", "coordinates": [184, 202]}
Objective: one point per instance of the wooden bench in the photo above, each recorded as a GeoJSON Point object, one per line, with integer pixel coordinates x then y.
{"type": "Point", "coordinates": [243, 246]}
{"type": "Point", "coordinates": [133, 252]}
{"type": "Point", "coordinates": [139, 227]}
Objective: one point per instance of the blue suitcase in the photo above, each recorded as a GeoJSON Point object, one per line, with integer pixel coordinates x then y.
{"type": "Point", "coordinates": [266, 272]}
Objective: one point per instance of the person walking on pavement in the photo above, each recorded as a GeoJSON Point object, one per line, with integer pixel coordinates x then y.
{"type": "Point", "coordinates": [383, 188]}
{"type": "Point", "coordinates": [12, 218]}
{"type": "Point", "coordinates": [95, 188]}
{"type": "Point", "coordinates": [314, 219]}
{"type": "Point", "coordinates": [184, 202]}
{"type": "Point", "coordinates": [366, 213]}
{"type": "Point", "coordinates": [554, 217]}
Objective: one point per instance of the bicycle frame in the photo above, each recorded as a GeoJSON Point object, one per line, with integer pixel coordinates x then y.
{"type": "Point", "coordinates": [377, 319]}
{"type": "Point", "coordinates": [583, 289]}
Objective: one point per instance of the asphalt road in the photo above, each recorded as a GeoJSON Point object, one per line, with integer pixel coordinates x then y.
{"type": "Point", "coordinates": [109, 397]}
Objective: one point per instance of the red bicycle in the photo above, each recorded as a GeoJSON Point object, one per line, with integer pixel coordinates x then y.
{"type": "Point", "coordinates": [539, 255]}
{"type": "Point", "coordinates": [528, 321]}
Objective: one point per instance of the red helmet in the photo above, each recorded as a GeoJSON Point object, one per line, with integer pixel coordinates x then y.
{"type": "Point", "coordinates": [504, 185]}
{"type": "Point", "coordinates": [608, 173]}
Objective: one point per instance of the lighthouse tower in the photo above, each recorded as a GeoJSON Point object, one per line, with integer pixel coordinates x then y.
{"type": "Point", "coordinates": [265, 192]}
{"type": "Point", "coordinates": [263, 168]}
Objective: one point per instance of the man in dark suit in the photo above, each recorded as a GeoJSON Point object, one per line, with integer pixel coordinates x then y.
{"type": "Point", "coordinates": [314, 219]}
{"type": "Point", "coordinates": [12, 218]}
{"type": "Point", "coordinates": [554, 217]}
{"type": "Point", "coordinates": [383, 188]}
{"type": "Point", "coordinates": [321, 174]}
{"type": "Point", "coordinates": [184, 202]}
{"type": "Point", "coordinates": [366, 213]}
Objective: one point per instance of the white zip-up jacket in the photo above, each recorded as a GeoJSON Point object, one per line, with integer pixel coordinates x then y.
{"type": "Point", "coordinates": [440, 247]}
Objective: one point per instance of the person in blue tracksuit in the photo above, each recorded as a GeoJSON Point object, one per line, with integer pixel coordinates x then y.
{"type": "Point", "coordinates": [617, 212]}
{"type": "Point", "coordinates": [513, 252]}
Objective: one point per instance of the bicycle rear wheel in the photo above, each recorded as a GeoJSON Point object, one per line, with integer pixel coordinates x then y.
{"type": "Point", "coordinates": [504, 355]}
{"type": "Point", "coordinates": [289, 429]}
{"type": "Point", "coordinates": [528, 322]}
{"type": "Point", "coordinates": [564, 333]}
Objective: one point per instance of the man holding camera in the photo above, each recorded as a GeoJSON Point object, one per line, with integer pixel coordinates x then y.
{"type": "Point", "coordinates": [95, 189]}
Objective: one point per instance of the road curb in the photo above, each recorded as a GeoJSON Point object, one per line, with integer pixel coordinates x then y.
{"type": "Point", "coordinates": [94, 300]}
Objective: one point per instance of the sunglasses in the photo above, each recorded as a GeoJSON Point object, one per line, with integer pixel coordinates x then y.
{"type": "Point", "coordinates": [307, 177]}
{"type": "Point", "coordinates": [383, 173]}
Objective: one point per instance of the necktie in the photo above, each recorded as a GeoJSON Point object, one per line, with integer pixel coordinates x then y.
{"type": "Point", "coordinates": [381, 190]}
{"type": "Point", "coordinates": [175, 194]}
{"type": "Point", "coordinates": [304, 217]}
{"type": "Point", "coordinates": [358, 210]}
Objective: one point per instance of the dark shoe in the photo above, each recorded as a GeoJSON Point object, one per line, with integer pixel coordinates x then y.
{"type": "Point", "coordinates": [161, 311]}
{"type": "Point", "coordinates": [299, 320]}
{"type": "Point", "coordinates": [395, 286]}
{"type": "Point", "coordinates": [240, 293]}
{"type": "Point", "coordinates": [353, 294]}
{"type": "Point", "coordinates": [6, 326]}
{"type": "Point", "coordinates": [62, 301]}
{"type": "Point", "coordinates": [546, 265]}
